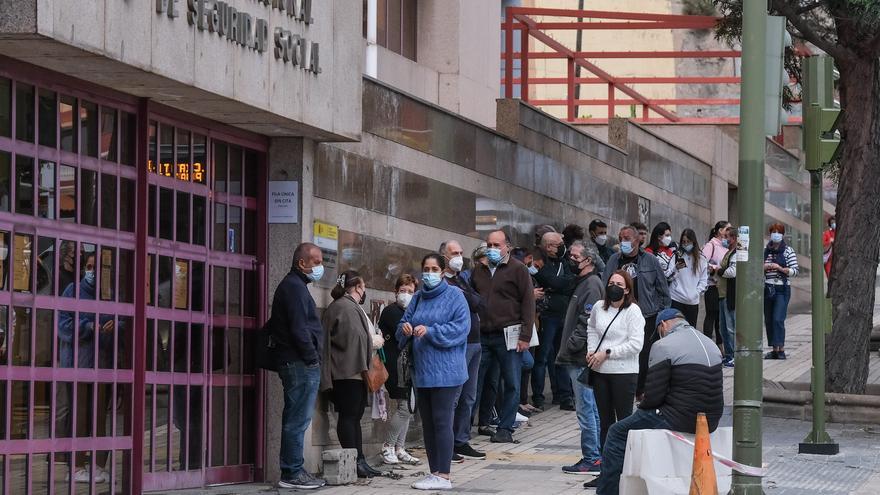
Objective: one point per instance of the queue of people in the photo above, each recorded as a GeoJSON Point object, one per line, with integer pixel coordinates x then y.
{"type": "Point", "coordinates": [583, 312]}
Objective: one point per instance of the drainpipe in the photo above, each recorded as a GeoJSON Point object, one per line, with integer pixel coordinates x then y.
{"type": "Point", "coordinates": [371, 67]}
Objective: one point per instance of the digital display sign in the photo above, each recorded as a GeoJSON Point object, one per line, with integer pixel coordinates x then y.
{"type": "Point", "coordinates": [185, 171]}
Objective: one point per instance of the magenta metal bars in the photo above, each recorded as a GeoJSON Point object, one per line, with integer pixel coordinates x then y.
{"type": "Point", "coordinates": [131, 280]}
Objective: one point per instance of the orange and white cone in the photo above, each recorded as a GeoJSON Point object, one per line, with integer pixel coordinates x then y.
{"type": "Point", "coordinates": [703, 480]}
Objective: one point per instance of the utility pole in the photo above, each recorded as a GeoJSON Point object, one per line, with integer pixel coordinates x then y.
{"type": "Point", "coordinates": [820, 118]}
{"type": "Point", "coordinates": [748, 374]}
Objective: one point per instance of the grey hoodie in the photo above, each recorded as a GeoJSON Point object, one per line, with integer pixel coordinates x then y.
{"type": "Point", "coordinates": [573, 350]}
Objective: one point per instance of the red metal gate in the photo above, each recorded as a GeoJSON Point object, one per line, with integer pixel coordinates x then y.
{"type": "Point", "coordinates": [115, 379]}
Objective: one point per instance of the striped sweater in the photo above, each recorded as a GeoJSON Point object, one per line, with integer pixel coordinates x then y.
{"type": "Point", "coordinates": [784, 256]}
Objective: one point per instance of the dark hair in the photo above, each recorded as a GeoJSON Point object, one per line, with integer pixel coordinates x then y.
{"type": "Point", "coordinates": [519, 253]}
{"type": "Point", "coordinates": [405, 279]}
{"type": "Point", "coordinates": [571, 233]}
{"type": "Point", "coordinates": [778, 227]}
{"type": "Point", "coordinates": [720, 224]}
{"type": "Point", "coordinates": [506, 237]}
{"type": "Point", "coordinates": [639, 226]}
{"type": "Point", "coordinates": [695, 251]}
{"type": "Point", "coordinates": [347, 280]}
{"type": "Point", "coordinates": [627, 298]}
{"type": "Point", "coordinates": [436, 257]}
{"type": "Point", "coordinates": [595, 224]}
{"type": "Point", "coordinates": [830, 219]}
{"type": "Point", "coordinates": [302, 252]}
{"type": "Point", "coordinates": [656, 234]}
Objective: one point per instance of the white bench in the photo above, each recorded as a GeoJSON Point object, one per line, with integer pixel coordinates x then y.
{"type": "Point", "coordinates": [658, 464]}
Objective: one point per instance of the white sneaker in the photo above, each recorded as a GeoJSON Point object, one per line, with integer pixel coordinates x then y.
{"type": "Point", "coordinates": [521, 419]}
{"type": "Point", "coordinates": [432, 482]}
{"type": "Point", "coordinates": [388, 455]}
{"type": "Point", "coordinates": [406, 458]}
{"type": "Point", "coordinates": [82, 475]}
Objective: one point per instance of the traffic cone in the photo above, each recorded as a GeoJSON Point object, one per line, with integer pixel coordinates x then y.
{"type": "Point", "coordinates": [703, 480]}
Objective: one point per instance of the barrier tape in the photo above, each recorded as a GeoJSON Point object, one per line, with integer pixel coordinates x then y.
{"type": "Point", "coordinates": [759, 472]}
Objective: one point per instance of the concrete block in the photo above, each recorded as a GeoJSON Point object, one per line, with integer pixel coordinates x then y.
{"type": "Point", "coordinates": [340, 466]}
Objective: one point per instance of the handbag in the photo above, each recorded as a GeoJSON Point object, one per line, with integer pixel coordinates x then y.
{"type": "Point", "coordinates": [586, 377]}
{"type": "Point", "coordinates": [376, 375]}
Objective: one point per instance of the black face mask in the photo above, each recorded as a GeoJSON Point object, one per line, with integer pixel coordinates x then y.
{"type": "Point", "coordinates": [614, 293]}
{"type": "Point", "coordinates": [363, 298]}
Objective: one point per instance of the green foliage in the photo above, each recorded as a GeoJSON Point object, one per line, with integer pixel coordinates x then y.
{"type": "Point", "coordinates": [698, 7]}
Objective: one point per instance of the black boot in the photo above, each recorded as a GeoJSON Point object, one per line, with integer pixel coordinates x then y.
{"type": "Point", "coordinates": [364, 470]}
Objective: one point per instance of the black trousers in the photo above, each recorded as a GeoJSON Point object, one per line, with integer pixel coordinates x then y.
{"type": "Point", "coordinates": [651, 336]}
{"type": "Point", "coordinates": [713, 316]}
{"type": "Point", "coordinates": [614, 399]}
{"type": "Point", "coordinates": [690, 312]}
{"type": "Point", "coordinates": [349, 398]}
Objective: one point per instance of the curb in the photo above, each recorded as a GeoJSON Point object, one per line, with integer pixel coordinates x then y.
{"type": "Point", "coordinates": [794, 401]}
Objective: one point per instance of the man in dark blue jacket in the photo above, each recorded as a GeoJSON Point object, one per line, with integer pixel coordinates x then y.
{"type": "Point", "coordinates": [297, 334]}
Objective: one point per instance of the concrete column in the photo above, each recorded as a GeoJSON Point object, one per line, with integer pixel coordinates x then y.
{"type": "Point", "coordinates": [289, 159]}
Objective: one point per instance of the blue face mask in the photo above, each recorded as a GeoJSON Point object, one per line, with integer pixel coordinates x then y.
{"type": "Point", "coordinates": [90, 277]}
{"type": "Point", "coordinates": [776, 237]}
{"type": "Point", "coordinates": [533, 270]}
{"type": "Point", "coordinates": [494, 255]}
{"type": "Point", "coordinates": [317, 273]}
{"type": "Point", "coordinates": [687, 247]}
{"type": "Point", "coordinates": [725, 243]}
{"type": "Point", "coordinates": [626, 247]}
{"type": "Point", "coordinates": [431, 280]}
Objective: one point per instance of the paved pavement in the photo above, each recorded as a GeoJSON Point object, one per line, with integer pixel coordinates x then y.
{"type": "Point", "coordinates": [551, 440]}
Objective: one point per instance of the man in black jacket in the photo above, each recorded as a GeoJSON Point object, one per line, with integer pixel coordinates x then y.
{"type": "Point", "coordinates": [684, 379]}
{"type": "Point", "coordinates": [297, 334]}
{"type": "Point", "coordinates": [557, 280]}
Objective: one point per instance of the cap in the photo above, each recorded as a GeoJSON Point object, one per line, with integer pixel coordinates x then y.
{"type": "Point", "coordinates": [668, 314]}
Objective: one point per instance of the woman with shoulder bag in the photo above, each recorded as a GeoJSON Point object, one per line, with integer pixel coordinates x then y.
{"type": "Point", "coordinates": [615, 334]}
{"type": "Point", "coordinates": [393, 451]}
{"type": "Point", "coordinates": [349, 343]}
{"type": "Point", "coordinates": [438, 322]}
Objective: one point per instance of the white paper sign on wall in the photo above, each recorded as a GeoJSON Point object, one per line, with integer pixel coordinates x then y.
{"type": "Point", "coordinates": [283, 201]}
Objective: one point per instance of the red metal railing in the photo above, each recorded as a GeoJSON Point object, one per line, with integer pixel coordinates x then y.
{"type": "Point", "coordinates": [653, 110]}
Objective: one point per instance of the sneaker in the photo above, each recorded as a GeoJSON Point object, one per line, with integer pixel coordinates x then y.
{"type": "Point", "coordinates": [82, 475]}
{"type": "Point", "coordinates": [389, 456]}
{"type": "Point", "coordinates": [486, 430]}
{"type": "Point", "coordinates": [520, 418]}
{"type": "Point", "coordinates": [780, 355]}
{"type": "Point", "coordinates": [457, 459]}
{"type": "Point", "coordinates": [469, 452]}
{"type": "Point", "coordinates": [593, 483]}
{"type": "Point", "coordinates": [530, 408]}
{"type": "Point", "coordinates": [503, 436]}
{"type": "Point", "coordinates": [303, 481]}
{"type": "Point", "coordinates": [728, 363]}
{"type": "Point", "coordinates": [432, 482]}
{"type": "Point", "coordinates": [595, 467]}
{"type": "Point", "coordinates": [582, 466]}
{"type": "Point", "coordinates": [771, 355]}
{"type": "Point", "coordinates": [538, 406]}
{"type": "Point", "coordinates": [405, 457]}
{"type": "Point", "coordinates": [567, 406]}
{"type": "Point", "coordinates": [524, 412]}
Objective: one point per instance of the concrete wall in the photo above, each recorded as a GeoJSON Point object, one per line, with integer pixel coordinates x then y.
{"type": "Point", "coordinates": [458, 64]}
{"type": "Point", "coordinates": [129, 46]}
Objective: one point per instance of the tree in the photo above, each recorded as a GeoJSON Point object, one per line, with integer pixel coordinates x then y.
{"type": "Point", "coordinates": [848, 31]}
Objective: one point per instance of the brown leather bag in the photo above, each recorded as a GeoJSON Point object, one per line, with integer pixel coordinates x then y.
{"type": "Point", "coordinates": [377, 375]}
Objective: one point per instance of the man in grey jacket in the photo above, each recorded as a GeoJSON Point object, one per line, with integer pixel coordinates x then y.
{"type": "Point", "coordinates": [651, 289]}
{"type": "Point", "coordinates": [685, 379]}
{"type": "Point", "coordinates": [573, 352]}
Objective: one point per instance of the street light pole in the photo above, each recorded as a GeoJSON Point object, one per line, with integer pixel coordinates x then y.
{"type": "Point", "coordinates": [748, 374]}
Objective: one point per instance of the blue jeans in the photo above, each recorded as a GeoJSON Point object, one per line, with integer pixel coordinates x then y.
{"type": "Point", "coordinates": [615, 447]}
{"type": "Point", "coordinates": [728, 334]}
{"type": "Point", "coordinates": [494, 350]}
{"type": "Point", "coordinates": [300, 384]}
{"type": "Point", "coordinates": [587, 415]}
{"type": "Point", "coordinates": [464, 406]}
{"type": "Point", "coordinates": [551, 334]}
{"type": "Point", "coordinates": [776, 299]}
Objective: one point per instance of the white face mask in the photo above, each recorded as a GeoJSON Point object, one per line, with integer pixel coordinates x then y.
{"type": "Point", "coordinates": [601, 239]}
{"type": "Point", "coordinates": [666, 241]}
{"type": "Point", "coordinates": [404, 299]}
{"type": "Point", "coordinates": [456, 263]}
